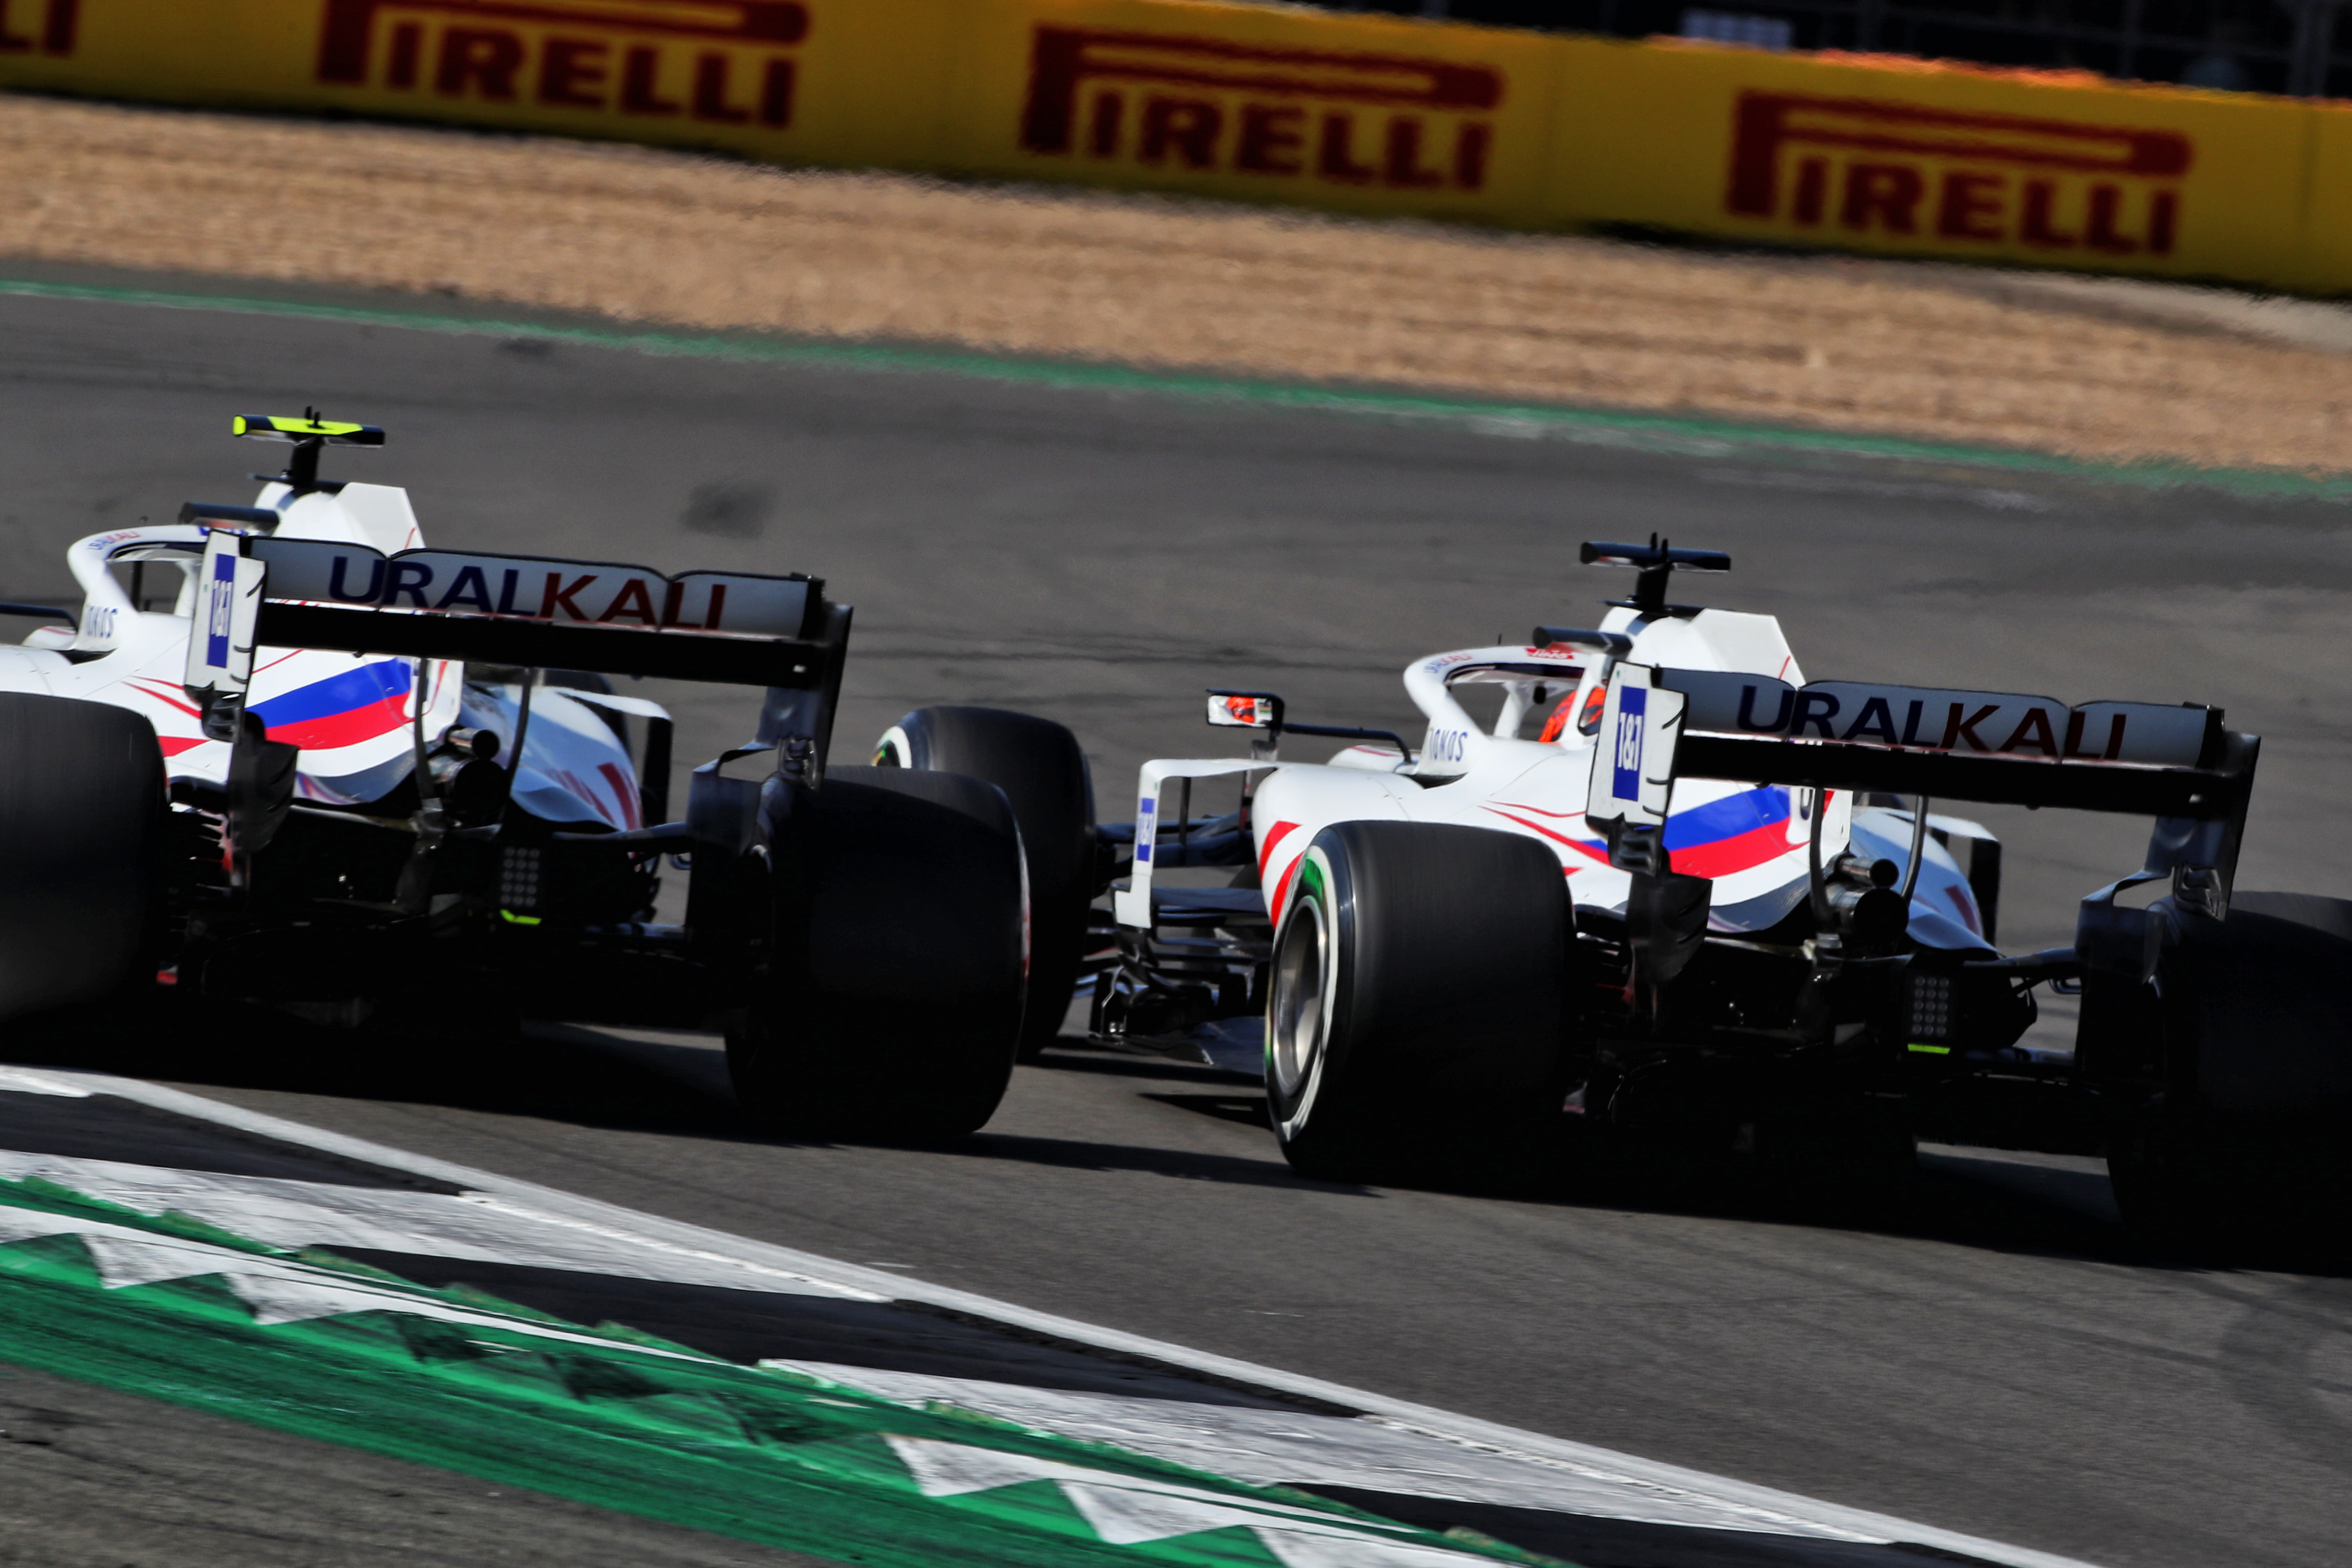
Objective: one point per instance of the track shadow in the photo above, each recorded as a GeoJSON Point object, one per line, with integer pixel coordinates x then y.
{"type": "Point", "coordinates": [2002, 1202]}
{"type": "Point", "coordinates": [1246, 1109]}
{"type": "Point", "coordinates": [1985, 1198]}
{"type": "Point", "coordinates": [566, 1076]}
{"type": "Point", "coordinates": [1978, 1198]}
{"type": "Point", "coordinates": [1079, 1055]}
{"type": "Point", "coordinates": [592, 1079]}
{"type": "Point", "coordinates": [574, 1076]}
{"type": "Point", "coordinates": [1077, 1154]}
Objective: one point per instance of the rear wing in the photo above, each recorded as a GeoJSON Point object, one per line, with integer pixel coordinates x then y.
{"type": "Point", "coordinates": [2177, 764]}
{"type": "Point", "coordinates": [732, 626]}
{"type": "Point", "coordinates": [735, 628]}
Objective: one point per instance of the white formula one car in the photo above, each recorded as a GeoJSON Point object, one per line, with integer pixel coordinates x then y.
{"type": "Point", "coordinates": [1712, 902]}
{"type": "Point", "coordinates": [287, 755]}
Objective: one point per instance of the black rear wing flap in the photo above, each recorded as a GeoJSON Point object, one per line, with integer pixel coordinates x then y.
{"type": "Point", "coordinates": [796, 663]}
{"type": "Point", "coordinates": [779, 632]}
{"type": "Point", "coordinates": [2177, 764]}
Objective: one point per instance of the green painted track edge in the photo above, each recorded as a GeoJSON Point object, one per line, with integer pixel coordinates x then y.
{"type": "Point", "coordinates": [601, 1415]}
{"type": "Point", "coordinates": [1655, 432]}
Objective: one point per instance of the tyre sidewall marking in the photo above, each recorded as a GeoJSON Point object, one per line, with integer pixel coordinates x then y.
{"type": "Point", "coordinates": [1020, 858]}
{"type": "Point", "coordinates": [1317, 880]}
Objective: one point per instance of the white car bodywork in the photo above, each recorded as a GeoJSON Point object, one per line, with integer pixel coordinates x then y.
{"type": "Point", "coordinates": [1753, 843]}
{"type": "Point", "coordinates": [354, 715]}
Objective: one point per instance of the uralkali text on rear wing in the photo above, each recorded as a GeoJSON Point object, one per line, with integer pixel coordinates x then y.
{"type": "Point", "coordinates": [2177, 764]}
{"type": "Point", "coordinates": [732, 627]}
{"type": "Point", "coordinates": [2141, 758]}
{"type": "Point", "coordinates": [574, 592]}
{"type": "Point", "coordinates": [735, 627]}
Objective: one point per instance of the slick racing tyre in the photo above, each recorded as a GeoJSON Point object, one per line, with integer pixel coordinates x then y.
{"type": "Point", "coordinates": [894, 1008]}
{"type": "Point", "coordinates": [81, 814]}
{"type": "Point", "coordinates": [2161, 1168]}
{"type": "Point", "coordinates": [1418, 1011]}
{"type": "Point", "coordinates": [2245, 1038]}
{"type": "Point", "coordinates": [1039, 766]}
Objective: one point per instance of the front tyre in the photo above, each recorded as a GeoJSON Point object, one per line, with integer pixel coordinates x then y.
{"type": "Point", "coordinates": [892, 1008]}
{"type": "Point", "coordinates": [1418, 1016]}
{"type": "Point", "coordinates": [1043, 771]}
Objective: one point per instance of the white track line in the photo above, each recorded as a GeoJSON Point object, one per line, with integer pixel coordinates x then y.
{"type": "Point", "coordinates": [550, 1205]}
{"type": "Point", "coordinates": [1281, 1448]}
{"type": "Point", "coordinates": [474, 1226]}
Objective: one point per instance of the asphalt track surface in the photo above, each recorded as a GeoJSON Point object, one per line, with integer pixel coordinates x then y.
{"type": "Point", "coordinates": [2002, 1361]}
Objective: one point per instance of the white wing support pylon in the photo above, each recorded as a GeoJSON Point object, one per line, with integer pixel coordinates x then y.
{"type": "Point", "coordinates": [228, 603]}
{"type": "Point", "coordinates": [1633, 756]}
{"type": "Point", "coordinates": [1131, 905]}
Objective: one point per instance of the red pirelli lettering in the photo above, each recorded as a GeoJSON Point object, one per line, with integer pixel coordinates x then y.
{"type": "Point", "coordinates": [1907, 170]}
{"type": "Point", "coordinates": [1211, 103]}
{"type": "Point", "coordinates": [1271, 139]}
{"type": "Point", "coordinates": [347, 37]}
{"type": "Point", "coordinates": [480, 59]}
{"type": "Point", "coordinates": [571, 72]}
{"type": "Point", "coordinates": [60, 29]}
{"type": "Point", "coordinates": [614, 55]}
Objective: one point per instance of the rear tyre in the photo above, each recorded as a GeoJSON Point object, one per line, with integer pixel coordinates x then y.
{"type": "Point", "coordinates": [1039, 766]}
{"type": "Point", "coordinates": [894, 1007]}
{"type": "Point", "coordinates": [1417, 1014]}
{"type": "Point", "coordinates": [2160, 1164]}
{"type": "Point", "coordinates": [2245, 1039]}
{"type": "Point", "coordinates": [81, 816]}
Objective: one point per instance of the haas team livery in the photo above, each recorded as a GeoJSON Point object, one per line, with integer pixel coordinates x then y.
{"type": "Point", "coordinates": [287, 754]}
{"type": "Point", "coordinates": [1670, 893]}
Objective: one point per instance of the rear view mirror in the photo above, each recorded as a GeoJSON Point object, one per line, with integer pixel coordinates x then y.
{"type": "Point", "coordinates": [1245, 711]}
{"type": "Point", "coordinates": [1616, 645]}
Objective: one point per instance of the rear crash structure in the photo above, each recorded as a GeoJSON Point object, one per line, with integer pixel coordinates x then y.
{"type": "Point", "coordinates": [329, 770]}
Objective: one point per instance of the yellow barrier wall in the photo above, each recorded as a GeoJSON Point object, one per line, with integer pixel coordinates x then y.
{"type": "Point", "coordinates": [1259, 102]}
{"type": "Point", "coordinates": [1351, 112]}
{"type": "Point", "coordinates": [1807, 150]}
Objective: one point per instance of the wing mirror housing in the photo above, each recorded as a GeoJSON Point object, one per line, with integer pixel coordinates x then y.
{"type": "Point", "coordinates": [1262, 711]}
{"type": "Point", "coordinates": [1258, 710]}
{"type": "Point", "coordinates": [1245, 710]}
